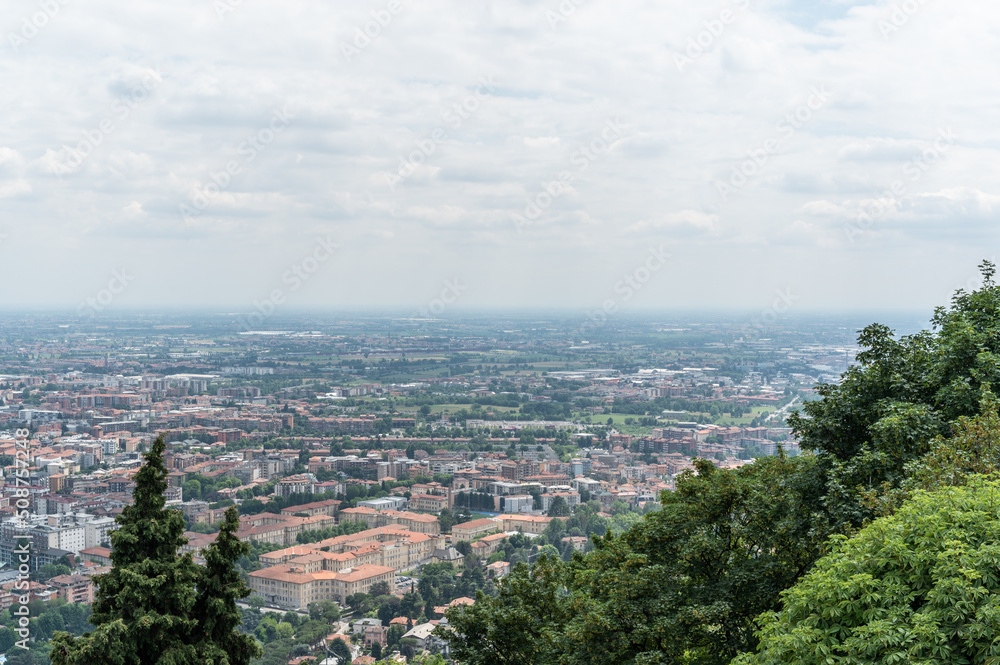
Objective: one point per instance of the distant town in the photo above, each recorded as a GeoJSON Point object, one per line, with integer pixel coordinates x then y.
{"type": "Point", "coordinates": [380, 477]}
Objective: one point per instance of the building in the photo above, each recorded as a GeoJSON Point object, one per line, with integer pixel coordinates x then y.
{"type": "Point", "coordinates": [298, 484]}
{"type": "Point", "coordinates": [517, 503]}
{"type": "Point", "coordinates": [386, 503]}
{"type": "Point", "coordinates": [99, 555]}
{"type": "Point", "coordinates": [289, 586]}
{"type": "Point", "coordinates": [449, 555]}
{"type": "Point", "coordinates": [571, 499]}
{"type": "Point", "coordinates": [524, 523]}
{"type": "Point", "coordinates": [469, 530]}
{"type": "Point", "coordinates": [73, 588]}
{"type": "Point", "coordinates": [328, 507]}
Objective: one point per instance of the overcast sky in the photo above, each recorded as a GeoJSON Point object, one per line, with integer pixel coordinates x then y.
{"type": "Point", "coordinates": [502, 153]}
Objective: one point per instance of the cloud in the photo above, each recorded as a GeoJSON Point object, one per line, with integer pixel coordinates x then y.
{"type": "Point", "coordinates": [690, 222]}
{"type": "Point", "coordinates": [554, 89]}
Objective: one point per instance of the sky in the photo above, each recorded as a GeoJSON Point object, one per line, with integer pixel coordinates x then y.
{"type": "Point", "coordinates": [583, 154]}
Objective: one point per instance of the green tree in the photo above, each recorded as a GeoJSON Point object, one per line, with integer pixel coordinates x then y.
{"type": "Point", "coordinates": [325, 610]}
{"type": "Point", "coordinates": [50, 570]}
{"type": "Point", "coordinates": [559, 508]}
{"type": "Point", "coordinates": [447, 519]}
{"type": "Point", "coordinates": [920, 586]}
{"type": "Point", "coordinates": [219, 587]}
{"type": "Point", "coordinates": [191, 490]}
{"type": "Point", "coordinates": [340, 649]}
{"type": "Point", "coordinates": [517, 626]}
{"type": "Point", "coordinates": [902, 395]}
{"type": "Point", "coordinates": [146, 608]}
{"type": "Point", "coordinates": [143, 606]}
{"type": "Point", "coordinates": [686, 583]}
{"type": "Point", "coordinates": [380, 589]}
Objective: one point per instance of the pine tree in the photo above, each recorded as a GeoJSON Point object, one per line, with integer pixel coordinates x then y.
{"type": "Point", "coordinates": [216, 612]}
{"type": "Point", "coordinates": [146, 609]}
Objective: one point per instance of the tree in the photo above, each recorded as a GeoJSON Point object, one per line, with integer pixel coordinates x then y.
{"type": "Point", "coordinates": [340, 649]}
{"type": "Point", "coordinates": [219, 587]}
{"type": "Point", "coordinates": [559, 507]}
{"type": "Point", "coordinates": [919, 586]}
{"type": "Point", "coordinates": [146, 609]}
{"type": "Point", "coordinates": [447, 520]}
{"type": "Point", "coordinates": [902, 394]}
{"type": "Point", "coordinates": [325, 610]}
{"type": "Point", "coordinates": [686, 583]}
{"type": "Point", "coordinates": [376, 650]}
{"type": "Point", "coordinates": [358, 601]}
{"type": "Point", "coordinates": [411, 605]}
{"type": "Point", "coordinates": [517, 626]}
{"type": "Point", "coordinates": [50, 570]}
{"type": "Point", "coordinates": [143, 606]}
{"type": "Point", "coordinates": [380, 589]}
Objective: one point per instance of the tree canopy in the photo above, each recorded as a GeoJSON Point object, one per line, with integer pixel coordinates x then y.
{"type": "Point", "coordinates": [919, 586]}
{"type": "Point", "coordinates": [147, 609]}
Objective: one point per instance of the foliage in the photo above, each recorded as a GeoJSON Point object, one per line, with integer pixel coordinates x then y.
{"type": "Point", "coordinates": [901, 396]}
{"type": "Point", "coordinates": [919, 586]}
{"type": "Point", "coordinates": [687, 582]}
{"type": "Point", "coordinates": [973, 450]}
{"type": "Point", "coordinates": [146, 608]}
{"type": "Point", "coordinates": [559, 508]}
{"type": "Point", "coordinates": [341, 650]}
{"type": "Point", "coordinates": [50, 570]}
{"type": "Point", "coordinates": [325, 610]}
{"type": "Point", "coordinates": [518, 626]}
{"type": "Point", "coordinates": [343, 529]}
{"type": "Point", "coordinates": [219, 587]}
{"type": "Point", "coordinates": [142, 608]}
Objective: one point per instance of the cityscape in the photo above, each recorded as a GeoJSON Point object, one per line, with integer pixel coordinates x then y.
{"type": "Point", "coordinates": [563, 332]}
{"type": "Point", "coordinates": [363, 451]}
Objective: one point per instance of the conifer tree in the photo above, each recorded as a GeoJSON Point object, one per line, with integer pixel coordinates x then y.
{"type": "Point", "coordinates": [216, 612]}
{"type": "Point", "coordinates": [146, 609]}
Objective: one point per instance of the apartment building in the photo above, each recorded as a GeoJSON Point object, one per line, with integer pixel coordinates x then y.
{"type": "Point", "coordinates": [467, 531]}
{"type": "Point", "coordinates": [290, 586]}
{"type": "Point", "coordinates": [73, 588]}
{"type": "Point", "coordinates": [389, 546]}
